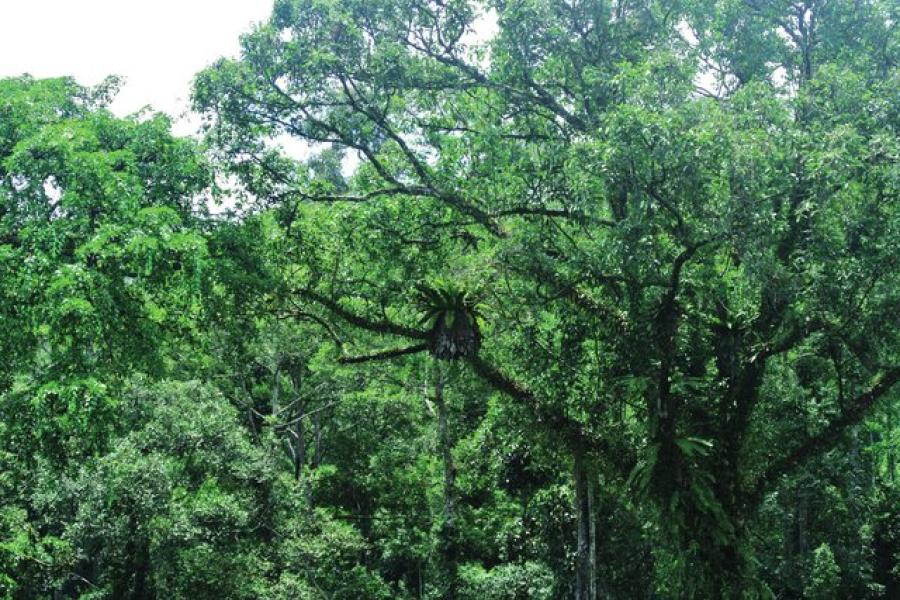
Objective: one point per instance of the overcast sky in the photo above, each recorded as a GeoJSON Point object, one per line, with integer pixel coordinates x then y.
{"type": "Point", "coordinates": [158, 45]}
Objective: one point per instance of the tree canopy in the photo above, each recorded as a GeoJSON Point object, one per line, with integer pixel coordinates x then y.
{"type": "Point", "coordinates": [577, 299]}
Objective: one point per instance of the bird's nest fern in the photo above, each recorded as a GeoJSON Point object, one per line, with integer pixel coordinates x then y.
{"type": "Point", "coordinates": [451, 314]}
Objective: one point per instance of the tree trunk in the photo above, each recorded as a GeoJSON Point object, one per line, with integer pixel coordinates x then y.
{"type": "Point", "coordinates": [299, 442]}
{"type": "Point", "coordinates": [448, 543]}
{"type": "Point", "coordinates": [729, 571]}
{"type": "Point", "coordinates": [586, 524]}
{"type": "Point", "coordinates": [317, 435]}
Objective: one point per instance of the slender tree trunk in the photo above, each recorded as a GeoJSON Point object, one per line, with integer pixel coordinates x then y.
{"type": "Point", "coordinates": [586, 557]}
{"type": "Point", "coordinates": [276, 391]}
{"type": "Point", "coordinates": [892, 465]}
{"type": "Point", "coordinates": [891, 448]}
{"type": "Point", "coordinates": [802, 544]}
{"type": "Point", "coordinates": [789, 549]}
{"type": "Point", "coordinates": [300, 442]}
{"type": "Point", "coordinates": [593, 524]}
{"type": "Point", "coordinates": [448, 527]}
{"type": "Point", "coordinates": [317, 425]}
{"type": "Point", "coordinates": [141, 566]}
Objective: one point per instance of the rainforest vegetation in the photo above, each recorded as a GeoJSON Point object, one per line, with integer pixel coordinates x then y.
{"type": "Point", "coordinates": [592, 299]}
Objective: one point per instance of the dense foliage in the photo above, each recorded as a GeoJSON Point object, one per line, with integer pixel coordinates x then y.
{"type": "Point", "coordinates": [582, 299]}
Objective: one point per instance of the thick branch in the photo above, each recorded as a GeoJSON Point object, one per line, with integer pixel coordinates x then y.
{"type": "Point", "coordinates": [383, 327]}
{"type": "Point", "coordinates": [357, 100]}
{"type": "Point", "coordinates": [383, 355]}
{"type": "Point", "coordinates": [667, 324]}
{"type": "Point", "coordinates": [500, 381]}
{"type": "Point", "coordinates": [828, 437]}
{"type": "Point", "coordinates": [570, 431]}
{"type": "Point", "coordinates": [537, 95]}
{"type": "Point", "coordinates": [552, 212]}
{"type": "Point", "coordinates": [406, 190]}
{"type": "Point", "coordinates": [558, 422]}
{"type": "Point", "coordinates": [302, 314]}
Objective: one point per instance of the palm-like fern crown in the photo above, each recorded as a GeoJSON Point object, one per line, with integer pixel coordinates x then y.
{"type": "Point", "coordinates": [452, 315]}
{"type": "Point", "coordinates": [444, 297]}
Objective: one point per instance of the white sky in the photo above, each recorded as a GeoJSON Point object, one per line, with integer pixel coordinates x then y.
{"type": "Point", "coordinates": [157, 45]}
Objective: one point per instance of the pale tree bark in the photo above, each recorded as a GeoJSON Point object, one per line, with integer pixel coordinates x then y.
{"type": "Point", "coordinates": [317, 428]}
{"type": "Point", "coordinates": [586, 575]}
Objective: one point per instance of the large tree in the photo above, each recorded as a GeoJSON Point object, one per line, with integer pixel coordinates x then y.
{"type": "Point", "coordinates": [681, 218]}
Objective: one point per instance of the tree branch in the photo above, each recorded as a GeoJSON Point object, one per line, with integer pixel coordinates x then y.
{"type": "Point", "coordinates": [383, 355]}
{"type": "Point", "coordinates": [828, 437]}
{"type": "Point", "coordinates": [406, 190]}
{"type": "Point", "coordinates": [500, 381]}
{"type": "Point", "coordinates": [375, 326]}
